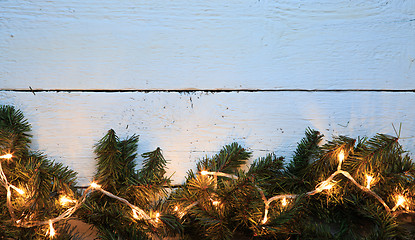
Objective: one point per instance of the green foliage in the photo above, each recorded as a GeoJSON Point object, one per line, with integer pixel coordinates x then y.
{"type": "Point", "coordinates": [115, 168]}
{"type": "Point", "coordinates": [153, 168]}
{"type": "Point", "coordinates": [216, 207]}
{"type": "Point", "coordinates": [14, 131]}
{"type": "Point", "coordinates": [307, 151]}
{"type": "Point", "coordinates": [42, 180]}
{"type": "Point", "coordinates": [228, 160]}
{"type": "Point", "coordinates": [344, 212]}
{"type": "Point", "coordinates": [144, 188]}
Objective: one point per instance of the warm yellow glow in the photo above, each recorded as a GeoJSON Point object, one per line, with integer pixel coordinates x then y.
{"type": "Point", "coordinates": [6, 156]}
{"type": "Point", "coordinates": [400, 200]}
{"type": "Point", "coordinates": [284, 202]}
{"type": "Point", "coordinates": [64, 200]}
{"type": "Point", "coordinates": [51, 229]}
{"type": "Point", "coordinates": [265, 217]}
{"type": "Point", "coordinates": [324, 186]}
{"type": "Point", "coordinates": [341, 156]}
{"type": "Point", "coordinates": [215, 203]}
{"type": "Point", "coordinates": [328, 186]}
{"type": "Point", "coordinates": [135, 214]}
{"type": "Point", "coordinates": [157, 217]}
{"type": "Point", "coordinates": [176, 208]}
{"type": "Point", "coordinates": [204, 172]}
{"type": "Point", "coordinates": [368, 181]}
{"type": "Point", "coordinates": [95, 186]}
{"type": "Point", "coordinates": [20, 191]}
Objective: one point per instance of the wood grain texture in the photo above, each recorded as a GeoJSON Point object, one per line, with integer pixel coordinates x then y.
{"type": "Point", "coordinates": [316, 44]}
{"type": "Point", "coordinates": [190, 126]}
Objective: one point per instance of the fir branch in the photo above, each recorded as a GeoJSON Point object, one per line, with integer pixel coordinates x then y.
{"type": "Point", "coordinates": [115, 167]}
{"type": "Point", "coordinates": [153, 169]}
{"type": "Point", "coordinates": [14, 131]}
{"type": "Point", "coordinates": [307, 150]}
{"type": "Point", "coordinates": [328, 159]}
{"type": "Point", "coordinates": [228, 160]}
{"type": "Point", "coordinates": [268, 172]}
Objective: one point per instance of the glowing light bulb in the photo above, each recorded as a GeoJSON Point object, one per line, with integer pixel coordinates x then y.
{"type": "Point", "coordinates": [176, 208]}
{"type": "Point", "coordinates": [216, 203]}
{"type": "Point", "coordinates": [401, 200]}
{"type": "Point", "coordinates": [368, 181]}
{"type": "Point", "coordinates": [204, 172]}
{"type": "Point", "coordinates": [328, 187]}
{"type": "Point", "coordinates": [284, 202]}
{"type": "Point", "coordinates": [95, 186]}
{"type": "Point", "coordinates": [6, 156]}
{"type": "Point", "coordinates": [265, 220]}
{"type": "Point", "coordinates": [325, 186]}
{"type": "Point", "coordinates": [64, 200]}
{"type": "Point", "coordinates": [157, 217]}
{"type": "Point", "coordinates": [51, 229]}
{"type": "Point", "coordinates": [135, 214]}
{"type": "Point", "coordinates": [20, 191]}
{"type": "Point", "coordinates": [341, 156]}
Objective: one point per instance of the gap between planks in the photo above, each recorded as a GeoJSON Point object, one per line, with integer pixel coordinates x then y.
{"type": "Point", "coordinates": [30, 90]}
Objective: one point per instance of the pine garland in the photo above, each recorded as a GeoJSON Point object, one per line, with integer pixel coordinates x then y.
{"type": "Point", "coordinates": [345, 189]}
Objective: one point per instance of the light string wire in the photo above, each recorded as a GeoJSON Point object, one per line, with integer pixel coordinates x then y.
{"type": "Point", "coordinates": [70, 211]}
{"type": "Point", "coordinates": [324, 185]}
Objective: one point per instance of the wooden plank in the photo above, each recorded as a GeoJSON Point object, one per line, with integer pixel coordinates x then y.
{"type": "Point", "coordinates": [190, 126]}
{"type": "Point", "coordinates": [202, 44]}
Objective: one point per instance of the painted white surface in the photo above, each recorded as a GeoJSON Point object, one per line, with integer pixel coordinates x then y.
{"type": "Point", "coordinates": [190, 126]}
{"type": "Point", "coordinates": [158, 44]}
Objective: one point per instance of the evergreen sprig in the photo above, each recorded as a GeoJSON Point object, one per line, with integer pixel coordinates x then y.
{"type": "Point", "coordinates": [42, 180]}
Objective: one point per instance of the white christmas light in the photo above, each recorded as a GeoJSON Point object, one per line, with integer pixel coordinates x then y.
{"type": "Point", "coordinates": [64, 200]}
{"type": "Point", "coordinates": [135, 214]}
{"type": "Point", "coordinates": [340, 156]}
{"type": "Point", "coordinates": [284, 202]}
{"type": "Point", "coordinates": [20, 191]}
{"type": "Point", "coordinates": [6, 156]}
{"type": "Point", "coordinates": [51, 229]}
{"type": "Point", "coordinates": [368, 181]}
{"type": "Point", "coordinates": [216, 203]}
{"type": "Point", "coordinates": [95, 185]}
{"type": "Point", "coordinates": [157, 217]}
{"type": "Point", "coordinates": [400, 200]}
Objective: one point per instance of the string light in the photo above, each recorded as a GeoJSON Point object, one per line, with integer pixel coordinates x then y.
{"type": "Point", "coordinates": [139, 213]}
{"type": "Point", "coordinates": [95, 185]}
{"type": "Point", "coordinates": [325, 185]}
{"type": "Point", "coordinates": [64, 200]}
{"type": "Point", "coordinates": [51, 229]}
{"type": "Point", "coordinates": [340, 156]}
{"type": "Point", "coordinates": [20, 191]}
{"type": "Point", "coordinates": [6, 156]}
{"type": "Point", "coordinates": [284, 202]}
{"type": "Point", "coordinates": [400, 200]}
{"type": "Point", "coordinates": [157, 217]}
{"type": "Point", "coordinates": [216, 203]}
{"type": "Point", "coordinates": [135, 214]}
{"type": "Point", "coordinates": [368, 181]}
{"type": "Point", "coordinates": [265, 220]}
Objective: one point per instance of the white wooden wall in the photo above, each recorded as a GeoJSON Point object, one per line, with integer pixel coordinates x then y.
{"type": "Point", "coordinates": [273, 49]}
